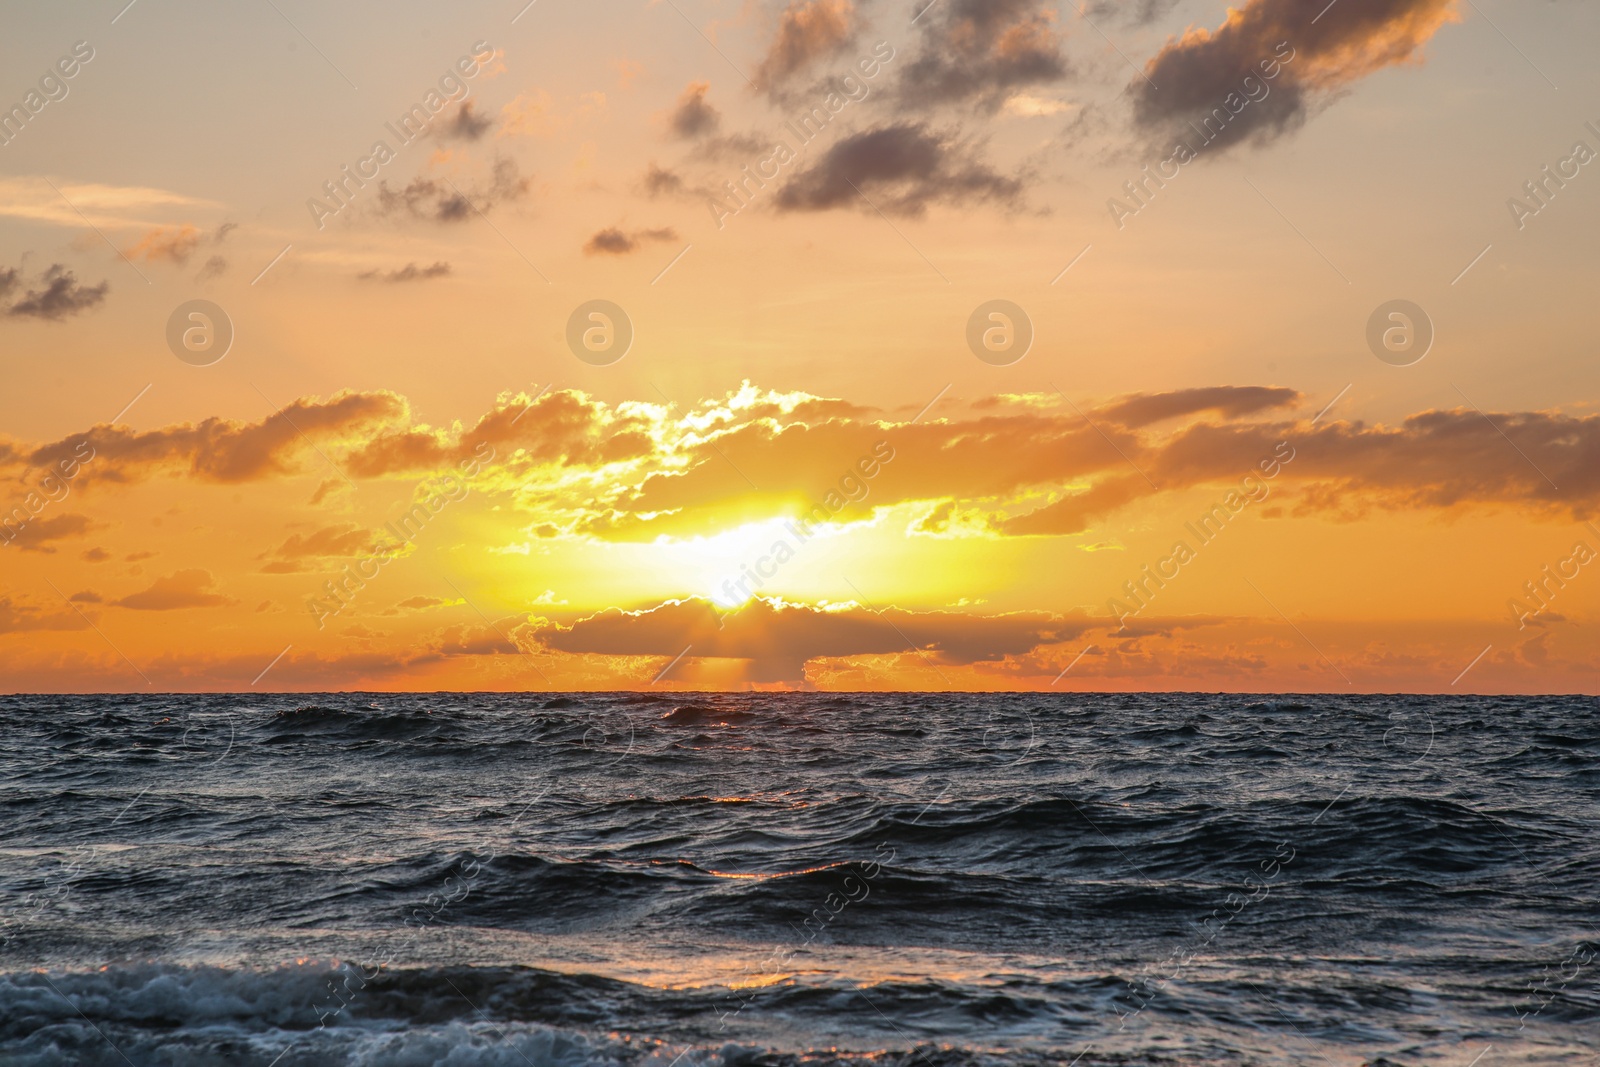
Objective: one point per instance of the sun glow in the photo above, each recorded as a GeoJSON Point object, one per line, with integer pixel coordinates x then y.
{"type": "Point", "coordinates": [731, 567]}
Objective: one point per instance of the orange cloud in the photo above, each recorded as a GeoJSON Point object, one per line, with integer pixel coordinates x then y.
{"type": "Point", "coordinates": [808, 30]}
{"type": "Point", "coordinates": [340, 541]}
{"type": "Point", "coordinates": [170, 244]}
{"type": "Point", "coordinates": [183, 589]}
{"type": "Point", "coordinates": [223, 450]}
{"type": "Point", "coordinates": [17, 617]}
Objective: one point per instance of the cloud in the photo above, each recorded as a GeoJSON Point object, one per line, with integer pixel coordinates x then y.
{"type": "Point", "coordinates": [183, 589]}
{"type": "Point", "coordinates": [215, 267]}
{"type": "Point", "coordinates": [614, 242]}
{"type": "Point", "coordinates": [421, 603]}
{"type": "Point", "coordinates": [10, 278]}
{"type": "Point", "coordinates": [1136, 13]}
{"type": "Point", "coordinates": [223, 450]}
{"type": "Point", "coordinates": [170, 244]}
{"type": "Point", "coordinates": [692, 116]}
{"type": "Point", "coordinates": [340, 541]}
{"type": "Point", "coordinates": [61, 296]}
{"type": "Point", "coordinates": [95, 555]}
{"type": "Point", "coordinates": [408, 273]}
{"type": "Point", "coordinates": [808, 30]}
{"type": "Point", "coordinates": [16, 618]}
{"type": "Point", "coordinates": [535, 114]}
{"type": "Point", "coordinates": [1231, 401]}
{"type": "Point", "coordinates": [627, 71]}
{"type": "Point", "coordinates": [657, 181]}
{"type": "Point", "coordinates": [38, 533]}
{"type": "Point", "coordinates": [105, 206]}
{"type": "Point", "coordinates": [778, 638]}
{"type": "Point", "coordinates": [86, 596]}
{"type": "Point", "coordinates": [466, 124]}
{"type": "Point", "coordinates": [560, 429]}
{"type": "Point", "coordinates": [1028, 106]}
{"type": "Point", "coordinates": [1256, 76]}
{"type": "Point", "coordinates": [902, 168]}
{"type": "Point", "coordinates": [566, 465]}
{"type": "Point", "coordinates": [472, 640]}
{"type": "Point", "coordinates": [983, 51]}
{"type": "Point", "coordinates": [1000, 465]}
{"type": "Point", "coordinates": [175, 244]}
{"type": "Point", "coordinates": [444, 201]}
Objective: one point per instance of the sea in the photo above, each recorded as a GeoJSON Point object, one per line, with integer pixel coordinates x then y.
{"type": "Point", "coordinates": [686, 880]}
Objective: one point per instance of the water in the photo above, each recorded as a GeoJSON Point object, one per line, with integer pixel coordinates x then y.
{"type": "Point", "coordinates": [787, 879]}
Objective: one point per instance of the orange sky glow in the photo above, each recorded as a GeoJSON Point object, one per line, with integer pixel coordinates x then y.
{"type": "Point", "coordinates": [831, 344]}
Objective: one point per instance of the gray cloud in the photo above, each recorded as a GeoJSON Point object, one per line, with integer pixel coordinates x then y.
{"type": "Point", "coordinates": [439, 201]}
{"type": "Point", "coordinates": [777, 639]}
{"type": "Point", "coordinates": [1231, 401]}
{"type": "Point", "coordinates": [466, 124]}
{"type": "Point", "coordinates": [903, 168]}
{"type": "Point", "coordinates": [658, 181]}
{"type": "Point", "coordinates": [615, 242]}
{"type": "Point", "coordinates": [1129, 12]}
{"type": "Point", "coordinates": [60, 297]}
{"type": "Point", "coordinates": [983, 51]}
{"type": "Point", "coordinates": [408, 273]}
{"type": "Point", "coordinates": [1255, 77]}
{"type": "Point", "coordinates": [693, 116]}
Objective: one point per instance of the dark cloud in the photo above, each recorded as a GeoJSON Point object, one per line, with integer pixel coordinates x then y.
{"type": "Point", "coordinates": [657, 181]}
{"type": "Point", "coordinates": [10, 278]}
{"type": "Point", "coordinates": [808, 30]}
{"type": "Point", "coordinates": [1232, 401]}
{"type": "Point", "coordinates": [215, 267]}
{"type": "Point", "coordinates": [1256, 76]}
{"type": "Point", "coordinates": [408, 273]}
{"type": "Point", "coordinates": [466, 124]}
{"type": "Point", "coordinates": [983, 51]}
{"type": "Point", "coordinates": [777, 638]}
{"type": "Point", "coordinates": [693, 116]}
{"type": "Point", "coordinates": [615, 242]}
{"type": "Point", "coordinates": [183, 589]}
{"type": "Point", "coordinates": [87, 596]}
{"type": "Point", "coordinates": [442, 201]}
{"type": "Point", "coordinates": [60, 297]}
{"type": "Point", "coordinates": [36, 534]}
{"type": "Point", "coordinates": [902, 169]}
{"type": "Point", "coordinates": [1128, 12]}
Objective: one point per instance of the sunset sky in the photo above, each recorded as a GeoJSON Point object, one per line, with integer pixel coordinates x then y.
{"type": "Point", "coordinates": [401, 475]}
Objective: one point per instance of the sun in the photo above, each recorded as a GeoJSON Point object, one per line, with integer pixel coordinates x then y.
{"type": "Point", "coordinates": [731, 567]}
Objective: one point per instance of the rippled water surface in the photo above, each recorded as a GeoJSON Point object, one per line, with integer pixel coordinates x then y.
{"type": "Point", "coordinates": [700, 879]}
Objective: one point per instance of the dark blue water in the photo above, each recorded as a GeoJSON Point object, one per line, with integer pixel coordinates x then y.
{"type": "Point", "coordinates": [799, 879]}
